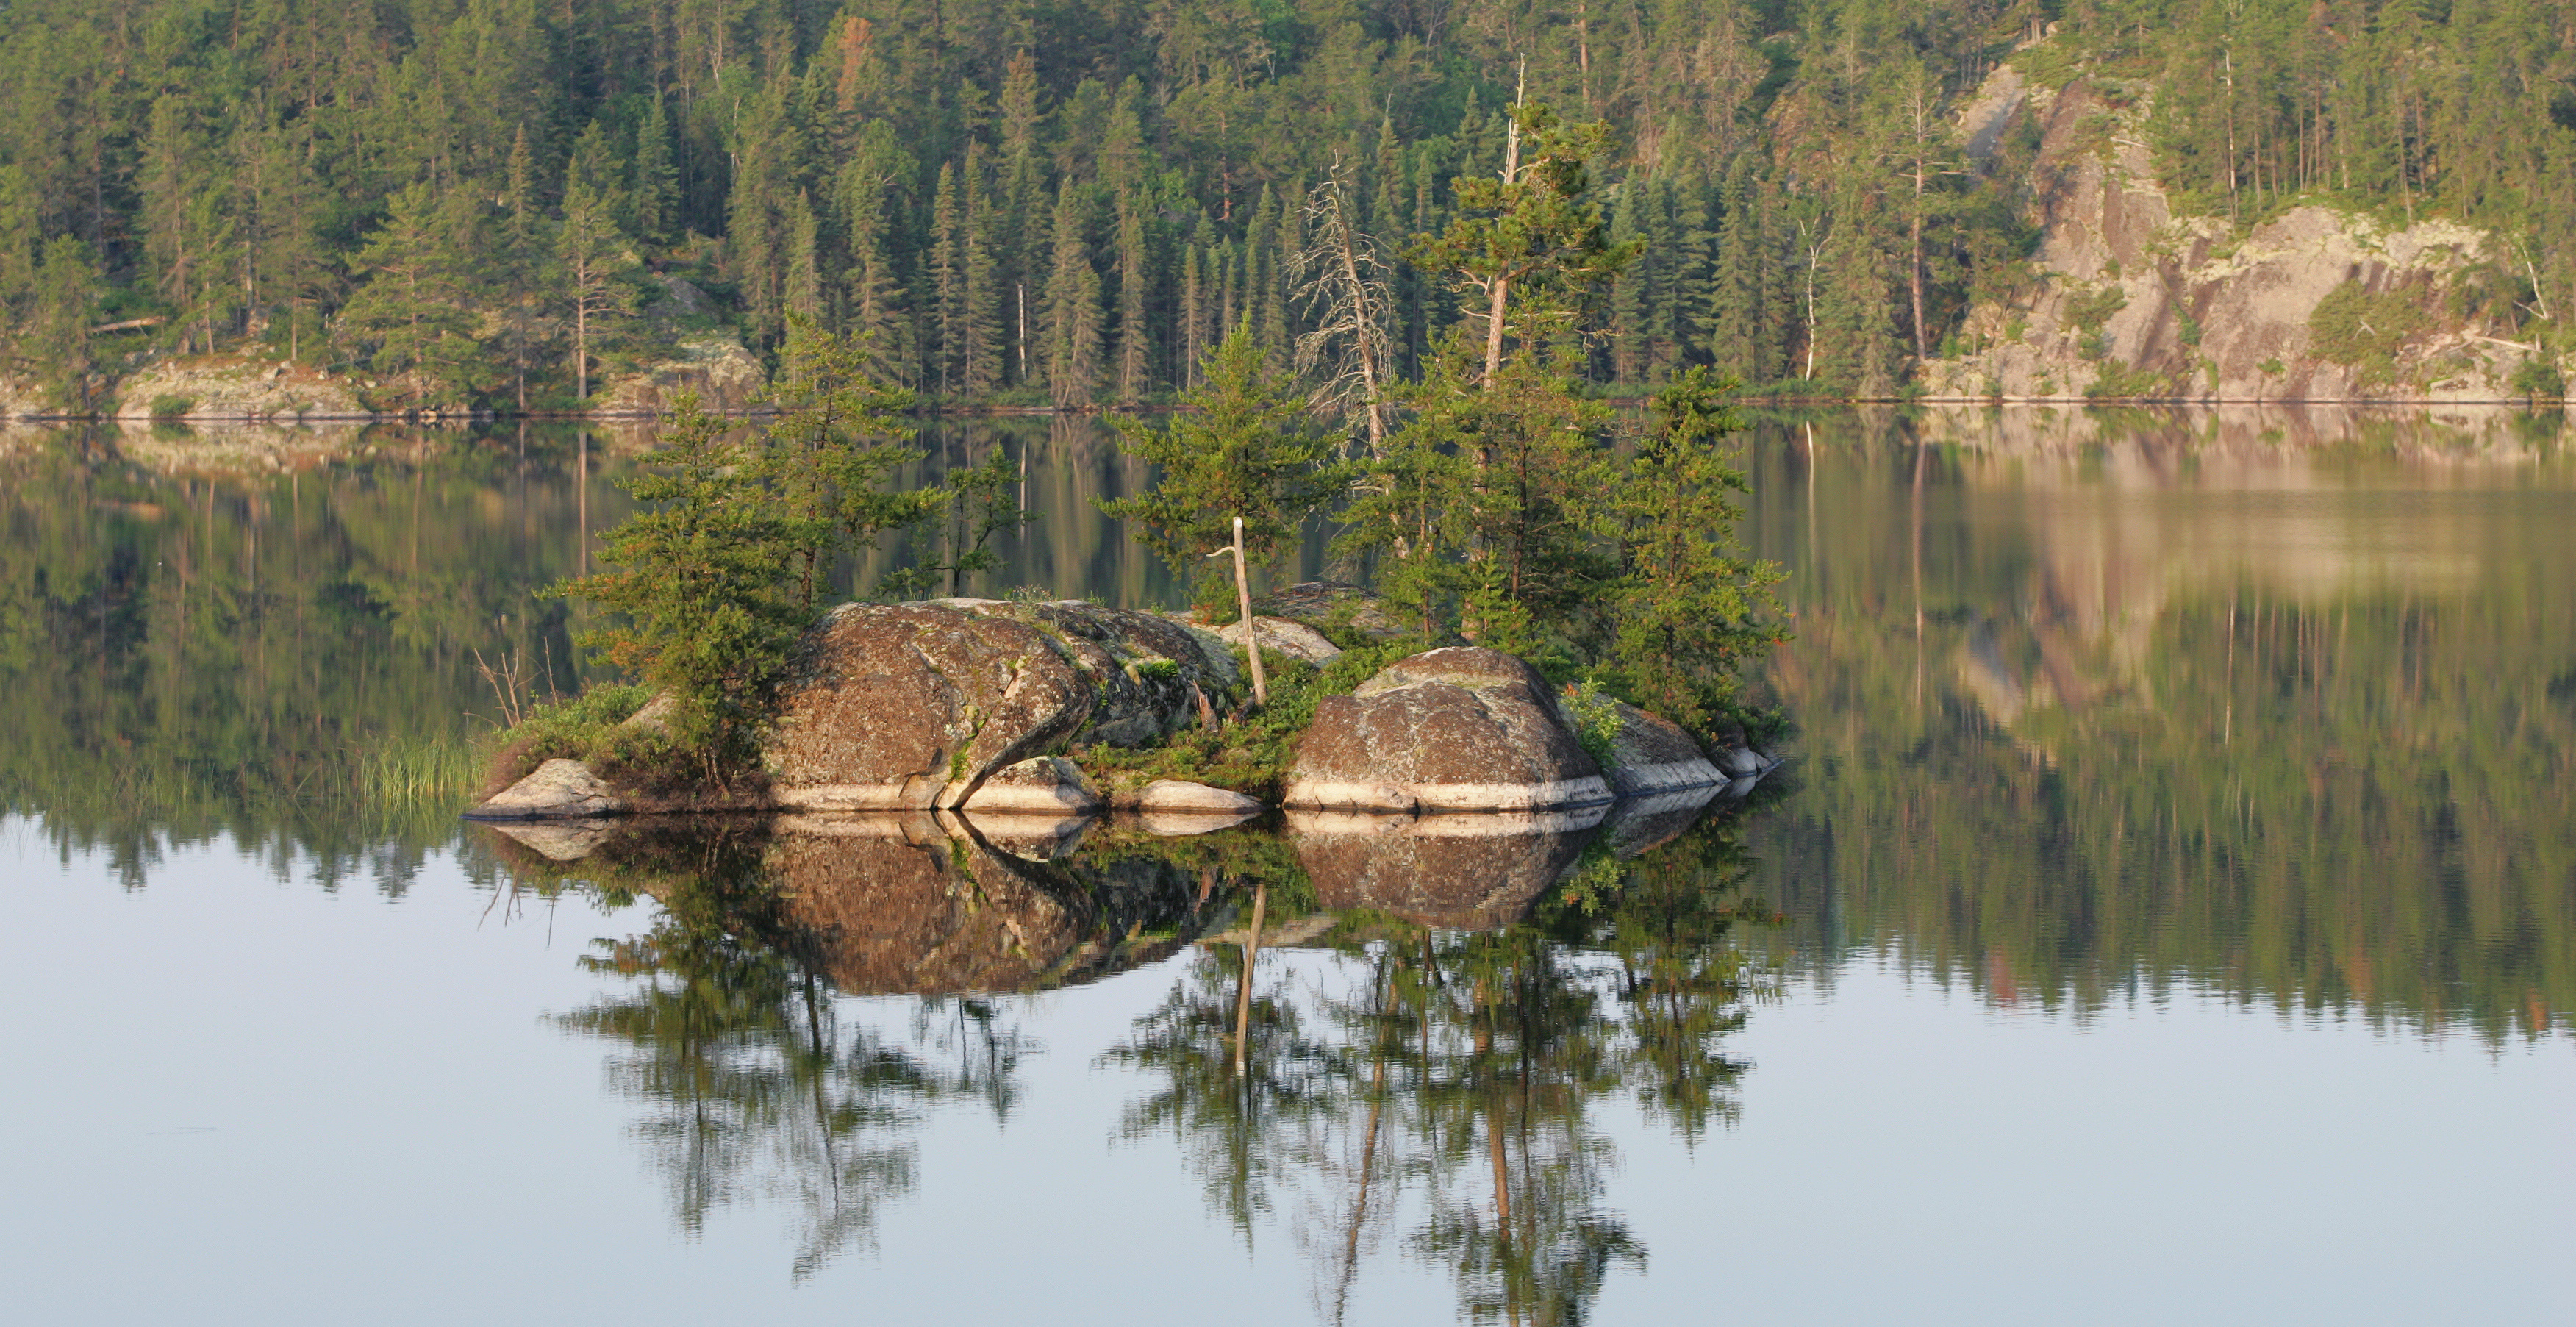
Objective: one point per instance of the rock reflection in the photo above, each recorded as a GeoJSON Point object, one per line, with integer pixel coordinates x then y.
{"type": "Point", "coordinates": [1442, 1084]}
{"type": "Point", "coordinates": [1486, 984]}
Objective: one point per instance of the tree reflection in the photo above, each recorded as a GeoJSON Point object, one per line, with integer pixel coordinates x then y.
{"type": "Point", "coordinates": [1447, 1080]}
{"type": "Point", "coordinates": [756, 1085]}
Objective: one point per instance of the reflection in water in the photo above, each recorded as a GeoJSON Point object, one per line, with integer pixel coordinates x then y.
{"type": "Point", "coordinates": [1435, 1087]}
{"type": "Point", "coordinates": [2167, 704]}
{"type": "Point", "coordinates": [2087, 703]}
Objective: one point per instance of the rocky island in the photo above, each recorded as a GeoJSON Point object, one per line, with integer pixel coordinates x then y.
{"type": "Point", "coordinates": [1010, 708]}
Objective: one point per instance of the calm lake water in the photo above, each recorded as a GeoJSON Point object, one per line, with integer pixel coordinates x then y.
{"type": "Point", "coordinates": [2168, 914]}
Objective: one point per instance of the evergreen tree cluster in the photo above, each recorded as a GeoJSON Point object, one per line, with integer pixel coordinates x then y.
{"type": "Point", "coordinates": [500, 201]}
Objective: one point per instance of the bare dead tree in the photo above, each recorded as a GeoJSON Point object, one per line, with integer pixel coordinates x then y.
{"type": "Point", "coordinates": [1341, 278]}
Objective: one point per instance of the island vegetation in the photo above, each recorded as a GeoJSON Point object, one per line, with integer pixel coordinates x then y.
{"type": "Point", "coordinates": [1491, 503]}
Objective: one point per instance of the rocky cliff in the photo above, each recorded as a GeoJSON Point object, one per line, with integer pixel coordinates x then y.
{"type": "Point", "coordinates": [2127, 298]}
{"type": "Point", "coordinates": [235, 387]}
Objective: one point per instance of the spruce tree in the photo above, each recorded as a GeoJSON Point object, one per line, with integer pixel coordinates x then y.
{"type": "Point", "coordinates": [596, 267]}
{"type": "Point", "coordinates": [1135, 329]}
{"type": "Point", "coordinates": [1243, 448]}
{"type": "Point", "coordinates": [1074, 316]}
{"type": "Point", "coordinates": [1690, 607]}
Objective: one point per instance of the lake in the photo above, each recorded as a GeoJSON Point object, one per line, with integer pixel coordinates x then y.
{"type": "Point", "coordinates": [2167, 913]}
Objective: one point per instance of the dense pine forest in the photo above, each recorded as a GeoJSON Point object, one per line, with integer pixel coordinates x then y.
{"type": "Point", "coordinates": [503, 201]}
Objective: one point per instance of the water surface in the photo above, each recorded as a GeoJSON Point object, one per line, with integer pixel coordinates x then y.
{"type": "Point", "coordinates": [2169, 912]}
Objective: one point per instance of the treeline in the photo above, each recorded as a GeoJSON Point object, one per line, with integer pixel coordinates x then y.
{"type": "Point", "coordinates": [498, 200]}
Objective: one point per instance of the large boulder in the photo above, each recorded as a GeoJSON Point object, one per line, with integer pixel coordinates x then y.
{"type": "Point", "coordinates": [916, 705]}
{"type": "Point", "coordinates": [1460, 729]}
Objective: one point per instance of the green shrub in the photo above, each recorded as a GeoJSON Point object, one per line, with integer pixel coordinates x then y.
{"type": "Point", "coordinates": [586, 728]}
{"type": "Point", "coordinates": [2538, 377]}
{"type": "Point", "coordinates": [2089, 312]}
{"type": "Point", "coordinates": [2355, 327]}
{"type": "Point", "coordinates": [1593, 714]}
{"type": "Point", "coordinates": [172, 407]}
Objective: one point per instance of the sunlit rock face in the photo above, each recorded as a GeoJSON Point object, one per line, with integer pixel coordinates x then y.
{"type": "Point", "coordinates": [556, 790]}
{"type": "Point", "coordinates": [235, 387]}
{"type": "Point", "coordinates": [726, 379]}
{"type": "Point", "coordinates": [1467, 871]}
{"type": "Point", "coordinates": [1462, 729]}
{"type": "Point", "coordinates": [916, 705]}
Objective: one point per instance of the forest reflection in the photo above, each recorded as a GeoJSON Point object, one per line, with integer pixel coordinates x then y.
{"type": "Point", "coordinates": [1329, 1055]}
{"type": "Point", "coordinates": [2095, 705]}
{"type": "Point", "coordinates": [2280, 701]}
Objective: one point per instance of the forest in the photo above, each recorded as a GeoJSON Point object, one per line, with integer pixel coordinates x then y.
{"type": "Point", "coordinates": [501, 202]}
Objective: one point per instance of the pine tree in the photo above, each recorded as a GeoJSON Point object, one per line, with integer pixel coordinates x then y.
{"type": "Point", "coordinates": [1073, 309]}
{"type": "Point", "coordinates": [980, 354]}
{"type": "Point", "coordinates": [1135, 330]}
{"type": "Point", "coordinates": [595, 265]}
{"type": "Point", "coordinates": [653, 183]}
{"type": "Point", "coordinates": [414, 318]}
{"type": "Point", "coordinates": [1690, 607]}
{"type": "Point", "coordinates": [1741, 338]}
{"type": "Point", "coordinates": [1243, 449]}
{"type": "Point", "coordinates": [522, 259]}
{"type": "Point", "coordinates": [947, 280]}
{"type": "Point", "coordinates": [804, 276]}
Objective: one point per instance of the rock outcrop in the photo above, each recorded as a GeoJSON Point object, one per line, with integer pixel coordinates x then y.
{"type": "Point", "coordinates": [1651, 754]}
{"type": "Point", "coordinates": [1040, 784]}
{"type": "Point", "coordinates": [1329, 603]}
{"type": "Point", "coordinates": [726, 377]}
{"type": "Point", "coordinates": [1460, 729]}
{"type": "Point", "coordinates": [1180, 798]}
{"type": "Point", "coordinates": [559, 789]}
{"type": "Point", "coordinates": [235, 387]}
{"type": "Point", "coordinates": [916, 705]}
{"type": "Point", "coordinates": [2136, 301]}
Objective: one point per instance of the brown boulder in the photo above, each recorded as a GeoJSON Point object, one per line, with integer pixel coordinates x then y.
{"type": "Point", "coordinates": [913, 705]}
{"type": "Point", "coordinates": [1461, 729]}
{"type": "Point", "coordinates": [1143, 664]}
{"type": "Point", "coordinates": [916, 705]}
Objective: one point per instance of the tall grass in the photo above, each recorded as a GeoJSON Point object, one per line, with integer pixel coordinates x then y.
{"type": "Point", "coordinates": [413, 773]}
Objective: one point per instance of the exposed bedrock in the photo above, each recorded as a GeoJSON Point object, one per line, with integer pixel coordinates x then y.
{"type": "Point", "coordinates": [917, 705]}
{"type": "Point", "coordinates": [1471, 729]}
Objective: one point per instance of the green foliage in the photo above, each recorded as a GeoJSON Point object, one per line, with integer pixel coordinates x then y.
{"type": "Point", "coordinates": [2354, 326]}
{"type": "Point", "coordinates": [838, 441]}
{"type": "Point", "coordinates": [1245, 448]}
{"type": "Point", "coordinates": [698, 585]}
{"type": "Point", "coordinates": [1689, 608]}
{"type": "Point", "coordinates": [2117, 382]}
{"type": "Point", "coordinates": [1595, 715]}
{"type": "Point", "coordinates": [1249, 752]}
{"type": "Point", "coordinates": [2538, 377]}
{"type": "Point", "coordinates": [2092, 309]}
{"type": "Point", "coordinates": [588, 727]}
{"type": "Point", "coordinates": [172, 407]}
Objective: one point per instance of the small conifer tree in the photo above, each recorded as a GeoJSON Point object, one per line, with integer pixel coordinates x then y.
{"type": "Point", "coordinates": [1244, 449]}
